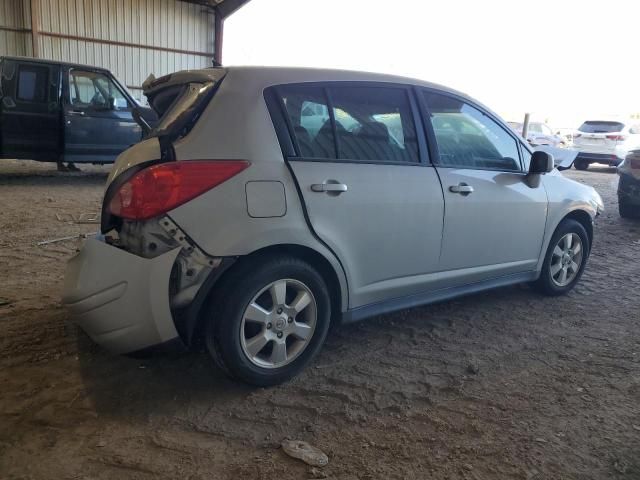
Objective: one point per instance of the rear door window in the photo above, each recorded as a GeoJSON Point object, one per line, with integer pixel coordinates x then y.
{"type": "Point", "coordinates": [364, 123]}
{"type": "Point", "coordinates": [601, 127]}
{"type": "Point", "coordinates": [374, 123]}
{"type": "Point", "coordinates": [468, 138]}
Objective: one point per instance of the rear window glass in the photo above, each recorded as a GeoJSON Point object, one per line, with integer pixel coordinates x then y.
{"type": "Point", "coordinates": [368, 123]}
{"type": "Point", "coordinates": [601, 127]}
{"type": "Point", "coordinates": [180, 107]}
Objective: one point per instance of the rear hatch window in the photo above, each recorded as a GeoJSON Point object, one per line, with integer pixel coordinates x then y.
{"type": "Point", "coordinates": [179, 105]}
{"type": "Point", "coordinates": [601, 127]}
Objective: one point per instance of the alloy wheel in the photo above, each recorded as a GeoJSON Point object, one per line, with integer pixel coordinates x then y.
{"type": "Point", "coordinates": [278, 323]}
{"type": "Point", "coordinates": [566, 259]}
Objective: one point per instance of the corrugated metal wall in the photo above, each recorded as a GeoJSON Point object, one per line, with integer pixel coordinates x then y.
{"type": "Point", "coordinates": [15, 26]}
{"type": "Point", "coordinates": [132, 38]}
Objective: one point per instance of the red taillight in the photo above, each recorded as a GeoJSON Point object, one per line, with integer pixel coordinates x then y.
{"type": "Point", "coordinates": [163, 187]}
{"type": "Point", "coordinates": [617, 138]}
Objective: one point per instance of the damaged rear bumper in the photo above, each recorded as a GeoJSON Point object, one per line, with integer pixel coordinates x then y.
{"type": "Point", "coordinates": [119, 299]}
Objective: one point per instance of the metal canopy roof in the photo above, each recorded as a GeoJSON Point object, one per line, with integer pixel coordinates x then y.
{"type": "Point", "coordinates": [224, 8]}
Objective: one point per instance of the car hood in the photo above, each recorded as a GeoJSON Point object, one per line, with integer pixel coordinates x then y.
{"type": "Point", "coordinates": [567, 190]}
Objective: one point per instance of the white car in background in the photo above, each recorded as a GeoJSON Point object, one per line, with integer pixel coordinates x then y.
{"type": "Point", "coordinates": [605, 141]}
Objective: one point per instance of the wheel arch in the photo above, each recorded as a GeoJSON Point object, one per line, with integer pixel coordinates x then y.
{"type": "Point", "coordinates": [191, 321]}
{"type": "Point", "coordinates": [316, 260]}
{"type": "Point", "coordinates": [580, 215]}
{"type": "Point", "coordinates": [583, 218]}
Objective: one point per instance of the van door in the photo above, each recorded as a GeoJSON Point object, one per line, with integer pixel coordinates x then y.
{"type": "Point", "coordinates": [495, 221]}
{"type": "Point", "coordinates": [369, 191]}
{"type": "Point", "coordinates": [98, 118]}
{"type": "Point", "coordinates": [29, 110]}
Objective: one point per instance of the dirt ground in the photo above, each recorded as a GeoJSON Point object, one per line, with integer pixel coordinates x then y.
{"type": "Point", "coordinates": [505, 384]}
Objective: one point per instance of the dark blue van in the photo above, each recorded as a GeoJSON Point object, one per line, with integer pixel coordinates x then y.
{"type": "Point", "coordinates": [61, 112]}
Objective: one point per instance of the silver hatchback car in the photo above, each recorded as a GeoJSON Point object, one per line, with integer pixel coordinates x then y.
{"type": "Point", "coordinates": [269, 203]}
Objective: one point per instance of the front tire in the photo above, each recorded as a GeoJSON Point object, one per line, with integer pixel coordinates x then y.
{"type": "Point", "coordinates": [580, 164]}
{"type": "Point", "coordinates": [627, 211]}
{"type": "Point", "coordinates": [565, 260]}
{"type": "Point", "coordinates": [269, 319]}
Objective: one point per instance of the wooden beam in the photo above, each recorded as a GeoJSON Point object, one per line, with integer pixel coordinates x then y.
{"type": "Point", "coordinates": [124, 44]}
{"type": "Point", "coordinates": [14, 29]}
{"type": "Point", "coordinates": [35, 26]}
{"type": "Point", "coordinates": [218, 32]}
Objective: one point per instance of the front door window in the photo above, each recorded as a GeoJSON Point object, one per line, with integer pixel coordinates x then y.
{"type": "Point", "coordinates": [95, 90]}
{"type": "Point", "coordinates": [467, 138]}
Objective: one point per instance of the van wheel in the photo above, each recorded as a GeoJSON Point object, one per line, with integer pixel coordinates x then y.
{"type": "Point", "coordinates": [271, 320]}
{"type": "Point", "coordinates": [581, 164]}
{"type": "Point", "coordinates": [565, 259]}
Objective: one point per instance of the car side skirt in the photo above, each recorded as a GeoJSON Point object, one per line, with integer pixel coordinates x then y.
{"type": "Point", "coordinates": [435, 296]}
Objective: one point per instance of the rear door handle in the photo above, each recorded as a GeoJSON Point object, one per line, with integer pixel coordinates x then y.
{"type": "Point", "coordinates": [329, 187]}
{"type": "Point", "coordinates": [462, 189]}
{"type": "Point", "coordinates": [76, 112]}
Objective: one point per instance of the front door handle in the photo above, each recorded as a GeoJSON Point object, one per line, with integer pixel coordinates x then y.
{"type": "Point", "coordinates": [76, 112]}
{"type": "Point", "coordinates": [329, 187]}
{"type": "Point", "coordinates": [462, 189]}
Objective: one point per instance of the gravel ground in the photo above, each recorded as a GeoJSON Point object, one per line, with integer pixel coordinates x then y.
{"type": "Point", "coordinates": [505, 384]}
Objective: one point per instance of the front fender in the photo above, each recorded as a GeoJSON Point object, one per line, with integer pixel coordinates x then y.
{"type": "Point", "coordinates": [567, 198]}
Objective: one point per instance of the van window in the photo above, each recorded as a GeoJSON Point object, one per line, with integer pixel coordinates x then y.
{"type": "Point", "coordinates": [94, 89]}
{"type": "Point", "coordinates": [467, 138]}
{"type": "Point", "coordinates": [32, 83]}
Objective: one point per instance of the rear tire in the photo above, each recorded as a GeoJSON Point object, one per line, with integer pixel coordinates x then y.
{"type": "Point", "coordinates": [580, 164]}
{"type": "Point", "coordinates": [565, 260]}
{"type": "Point", "coordinates": [268, 319]}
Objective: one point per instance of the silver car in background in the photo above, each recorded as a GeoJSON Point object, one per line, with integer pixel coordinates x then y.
{"type": "Point", "coordinates": [540, 134]}
{"type": "Point", "coordinates": [269, 203]}
{"type": "Point", "coordinates": [605, 141]}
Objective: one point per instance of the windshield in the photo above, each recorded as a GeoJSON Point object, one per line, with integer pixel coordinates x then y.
{"type": "Point", "coordinates": [179, 107]}
{"type": "Point", "coordinates": [601, 127]}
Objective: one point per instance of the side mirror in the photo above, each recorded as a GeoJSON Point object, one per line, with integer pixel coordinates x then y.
{"type": "Point", "coordinates": [541, 163]}
{"type": "Point", "coordinates": [112, 104]}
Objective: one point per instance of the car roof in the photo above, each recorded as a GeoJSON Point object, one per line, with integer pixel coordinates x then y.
{"type": "Point", "coordinates": [264, 76]}
{"type": "Point", "coordinates": [281, 75]}
{"type": "Point", "coordinates": [261, 77]}
{"type": "Point", "coordinates": [52, 62]}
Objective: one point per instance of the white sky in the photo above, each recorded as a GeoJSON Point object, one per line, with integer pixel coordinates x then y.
{"type": "Point", "coordinates": [561, 60]}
